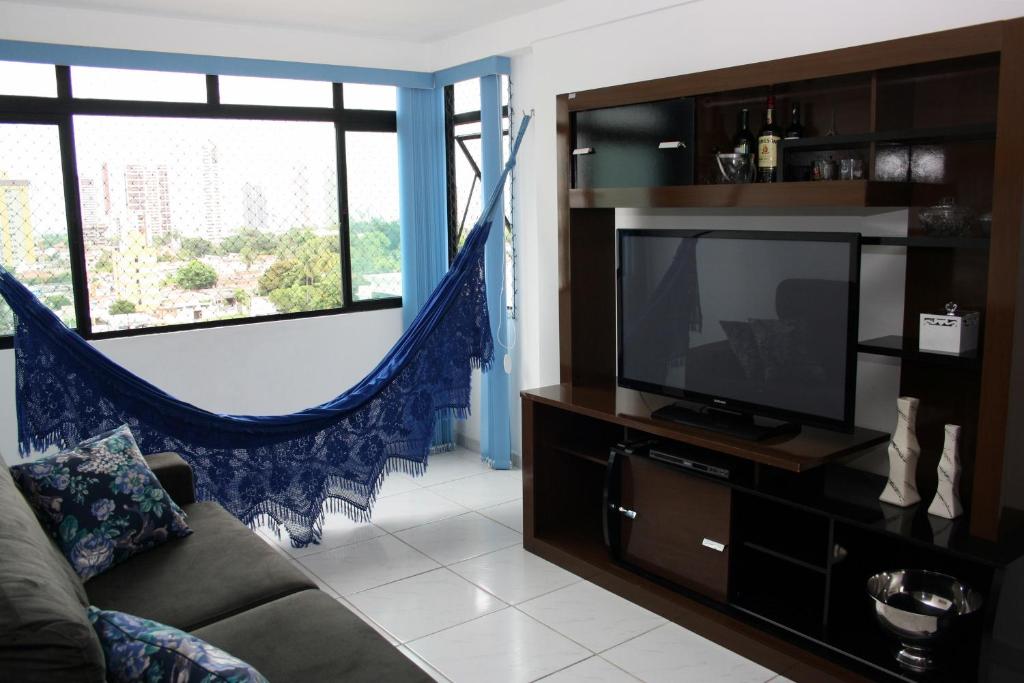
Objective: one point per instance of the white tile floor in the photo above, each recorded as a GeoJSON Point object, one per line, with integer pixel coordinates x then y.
{"type": "Point", "coordinates": [442, 574]}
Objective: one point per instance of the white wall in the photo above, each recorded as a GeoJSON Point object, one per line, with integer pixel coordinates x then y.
{"type": "Point", "coordinates": [137, 31]}
{"type": "Point", "coordinates": [583, 44]}
{"type": "Point", "coordinates": [257, 369]}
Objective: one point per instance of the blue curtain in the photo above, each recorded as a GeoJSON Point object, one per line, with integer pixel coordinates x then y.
{"type": "Point", "coordinates": [495, 423]}
{"type": "Point", "coordinates": [423, 210]}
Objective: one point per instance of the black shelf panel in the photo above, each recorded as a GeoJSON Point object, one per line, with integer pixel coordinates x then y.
{"type": "Point", "coordinates": [965, 133]}
{"type": "Point", "coordinates": [784, 557]}
{"type": "Point", "coordinates": [929, 242]}
{"type": "Point", "coordinates": [900, 347]}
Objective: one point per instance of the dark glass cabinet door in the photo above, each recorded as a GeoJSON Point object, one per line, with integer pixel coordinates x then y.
{"type": "Point", "coordinates": [637, 145]}
{"type": "Point", "coordinates": [671, 524]}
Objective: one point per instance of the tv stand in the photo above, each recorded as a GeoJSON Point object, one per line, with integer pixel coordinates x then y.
{"type": "Point", "coordinates": [740, 425]}
{"type": "Point", "coordinates": [770, 561]}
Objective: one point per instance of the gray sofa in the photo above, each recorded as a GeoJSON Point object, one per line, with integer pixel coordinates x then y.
{"type": "Point", "coordinates": [222, 583]}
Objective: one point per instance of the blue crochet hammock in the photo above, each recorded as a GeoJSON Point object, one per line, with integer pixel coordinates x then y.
{"type": "Point", "coordinates": [283, 468]}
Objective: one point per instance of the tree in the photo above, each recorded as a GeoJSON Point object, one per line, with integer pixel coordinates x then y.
{"type": "Point", "coordinates": [57, 301]}
{"type": "Point", "coordinates": [196, 275]}
{"type": "Point", "coordinates": [306, 275]}
{"type": "Point", "coordinates": [122, 306]}
{"type": "Point", "coordinates": [249, 255]}
{"type": "Point", "coordinates": [260, 242]}
{"type": "Point", "coordinates": [104, 264]}
{"type": "Point", "coordinates": [195, 247]}
{"type": "Point", "coordinates": [242, 298]}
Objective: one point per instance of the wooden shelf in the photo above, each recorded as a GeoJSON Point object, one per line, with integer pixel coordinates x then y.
{"type": "Point", "coordinates": [833, 193]}
{"type": "Point", "coordinates": [808, 450]}
{"type": "Point", "coordinates": [582, 454]}
{"type": "Point", "coordinates": [925, 242]}
{"type": "Point", "coordinates": [965, 133]}
{"type": "Point", "coordinates": [900, 347]}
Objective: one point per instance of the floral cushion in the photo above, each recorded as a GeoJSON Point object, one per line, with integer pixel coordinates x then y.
{"type": "Point", "coordinates": [101, 501]}
{"type": "Point", "coordinates": [138, 649]}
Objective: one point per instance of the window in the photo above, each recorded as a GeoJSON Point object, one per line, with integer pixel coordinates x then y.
{"type": "Point", "coordinates": [360, 96]}
{"type": "Point", "coordinates": [275, 91]}
{"type": "Point", "coordinates": [126, 84]}
{"type": "Point", "coordinates": [195, 212]}
{"type": "Point", "coordinates": [29, 80]}
{"type": "Point", "coordinates": [33, 222]}
{"type": "Point", "coordinates": [372, 164]}
{"type": "Point", "coordinates": [465, 194]}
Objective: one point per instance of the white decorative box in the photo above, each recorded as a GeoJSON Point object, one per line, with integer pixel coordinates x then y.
{"type": "Point", "coordinates": [956, 332]}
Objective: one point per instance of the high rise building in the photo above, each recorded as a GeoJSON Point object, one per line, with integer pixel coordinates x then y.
{"type": "Point", "coordinates": [148, 199]}
{"type": "Point", "coordinates": [213, 216]}
{"type": "Point", "coordinates": [94, 223]}
{"type": "Point", "coordinates": [254, 207]}
{"type": "Point", "coordinates": [303, 196]}
{"type": "Point", "coordinates": [136, 277]}
{"type": "Point", "coordinates": [17, 242]}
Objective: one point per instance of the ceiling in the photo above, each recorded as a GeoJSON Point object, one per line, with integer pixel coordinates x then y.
{"type": "Point", "coordinates": [408, 20]}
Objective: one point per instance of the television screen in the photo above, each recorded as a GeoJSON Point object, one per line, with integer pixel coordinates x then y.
{"type": "Point", "coordinates": [760, 322]}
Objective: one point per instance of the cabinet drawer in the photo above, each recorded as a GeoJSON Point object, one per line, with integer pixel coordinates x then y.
{"type": "Point", "coordinates": [637, 145]}
{"type": "Point", "coordinates": [681, 528]}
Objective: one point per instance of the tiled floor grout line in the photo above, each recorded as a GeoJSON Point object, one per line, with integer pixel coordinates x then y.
{"type": "Point", "coordinates": [632, 638]}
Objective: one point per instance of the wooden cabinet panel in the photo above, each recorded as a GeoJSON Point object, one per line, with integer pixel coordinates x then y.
{"type": "Point", "coordinates": [681, 528]}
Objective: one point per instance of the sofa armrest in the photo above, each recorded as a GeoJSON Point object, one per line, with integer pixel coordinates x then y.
{"type": "Point", "coordinates": [175, 476]}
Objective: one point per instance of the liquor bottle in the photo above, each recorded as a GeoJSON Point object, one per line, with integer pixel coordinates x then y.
{"type": "Point", "coordinates": [768, 146]}
{"type": "Point", "coordinates": [795, 130]}
{"type": "Point", "coordinates": [743, 142]}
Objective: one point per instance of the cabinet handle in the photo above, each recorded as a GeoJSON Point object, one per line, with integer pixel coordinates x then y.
{"type": "Point", "coordinates": [580, 151]}
{"type": "Point", "coordinates": [630, 514]}
{"type": "Point", "coordinates": [671, 144]}
{"type": "Point", "coordinates": [714, 545]}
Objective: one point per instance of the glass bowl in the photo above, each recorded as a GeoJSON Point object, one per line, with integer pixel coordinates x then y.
{"type": "Point", "coordinates": [735, 168]}
{"type": "Point", "coordinates": [946, 219]}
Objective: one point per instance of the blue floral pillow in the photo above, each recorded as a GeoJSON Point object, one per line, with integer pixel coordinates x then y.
{"type": "Point", "coordinates": [101, 501]}
{"type": "Point", "coordinates": [138, 649]}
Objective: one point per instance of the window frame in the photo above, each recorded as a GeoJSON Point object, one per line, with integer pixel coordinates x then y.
{"type": "Point", "coordinates": [61, 110]}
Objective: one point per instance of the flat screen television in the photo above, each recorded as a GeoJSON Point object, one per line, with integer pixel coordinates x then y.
{"type": "Point", "coordinates": [743, 323]}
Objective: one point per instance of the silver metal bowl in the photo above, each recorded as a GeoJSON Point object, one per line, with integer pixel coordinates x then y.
{"type": "Point", "coordinates": [921, 609]}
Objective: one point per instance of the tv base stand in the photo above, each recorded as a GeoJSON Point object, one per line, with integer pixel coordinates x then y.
{"type": "Point", "coordinates": [770, 560]}
{"type": "Point", "coordinates": [740, 425]}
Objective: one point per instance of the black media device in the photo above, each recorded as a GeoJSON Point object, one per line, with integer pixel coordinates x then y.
{"type": "Point", "coordinates": [716, 467]}
{"type": "Point", "coordinates": [756, 328]}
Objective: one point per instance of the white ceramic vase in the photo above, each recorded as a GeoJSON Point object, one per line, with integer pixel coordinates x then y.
{"type": "Point", "coordinates": [904, 452]}
{"type": "Point", "coordinates": [947, 498]}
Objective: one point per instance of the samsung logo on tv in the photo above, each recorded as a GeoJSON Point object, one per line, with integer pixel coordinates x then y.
{"type": "Point", "coordinates": [719, 401]}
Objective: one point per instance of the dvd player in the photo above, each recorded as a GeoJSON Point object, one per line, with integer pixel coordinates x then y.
{"type": "Point", "coordinates": [690, 463]}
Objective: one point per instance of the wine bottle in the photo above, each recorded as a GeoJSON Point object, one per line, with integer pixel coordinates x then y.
{"type": "Point", "coordinates": [743, 142]}
{"type": "Point", "coordinates": [795, 130]}
{"type": "Point", "coordinates": [768, 146]}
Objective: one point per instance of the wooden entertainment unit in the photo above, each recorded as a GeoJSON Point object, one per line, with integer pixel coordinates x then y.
{"type": "Point", "coordinates": [772, 561]}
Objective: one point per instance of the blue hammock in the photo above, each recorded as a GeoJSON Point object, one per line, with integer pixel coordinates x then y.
{"type": "Point", "coordinates": [284, 468]}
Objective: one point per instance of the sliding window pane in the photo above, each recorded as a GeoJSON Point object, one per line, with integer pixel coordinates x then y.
{"type": "Point", "coordinates": [129, 84]}
{"type": "Point", "coordinates": [33, 223]}
{"type": "Point", "coordinates": [30, 80]}
{"type": "Point", "coordinates": [193, 220]}
{"type": "Point", "coordinates": [372, 172]}
{"type": "Point", "coordinates": [361, 96]}
{"type": "Point", "coordinates": [276, 92]}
